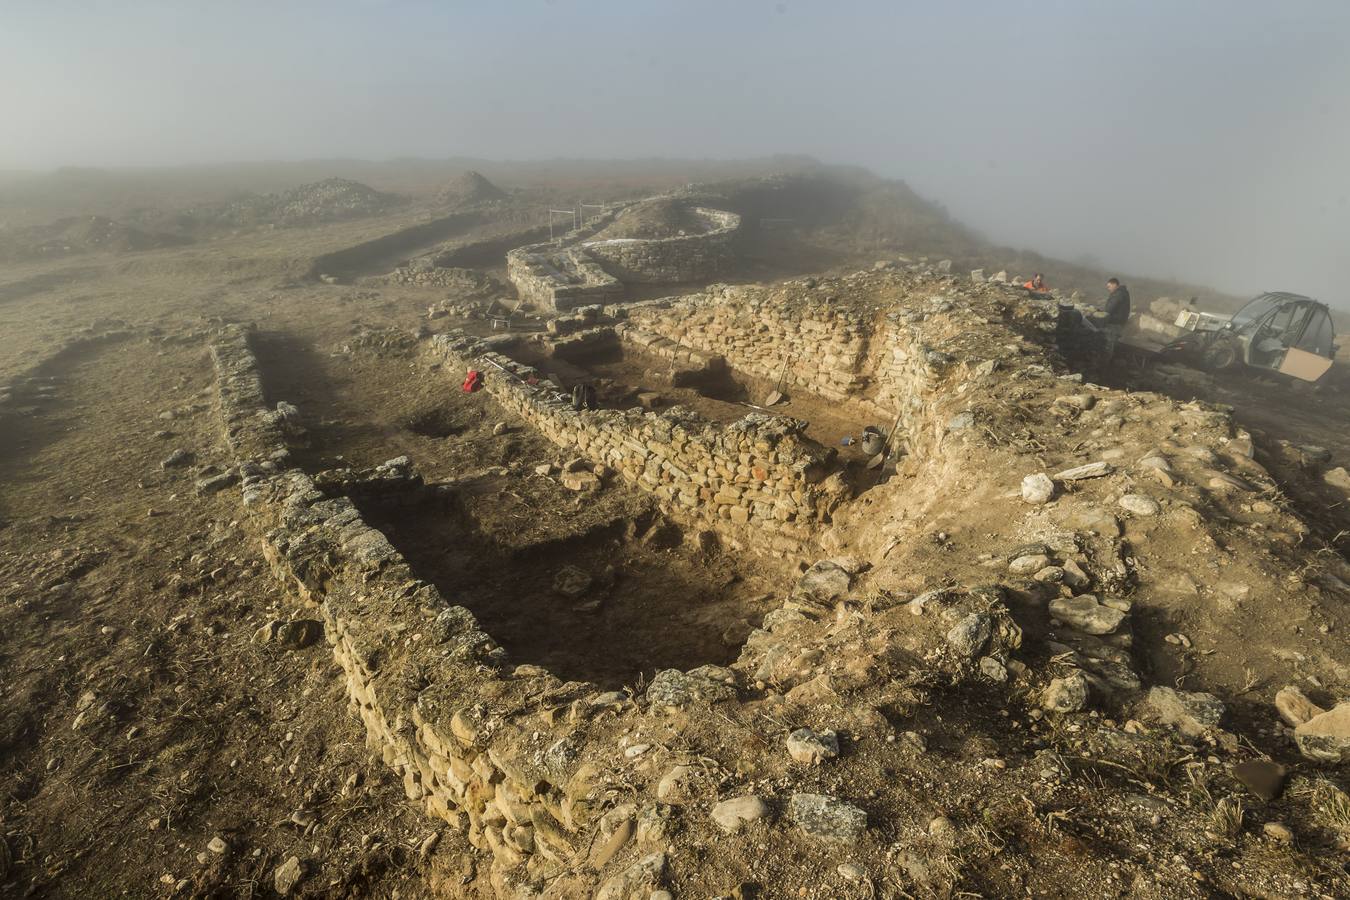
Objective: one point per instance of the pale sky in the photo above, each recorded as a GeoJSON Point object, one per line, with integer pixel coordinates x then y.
{"type": "Point", "coordinates": [1200, 140]}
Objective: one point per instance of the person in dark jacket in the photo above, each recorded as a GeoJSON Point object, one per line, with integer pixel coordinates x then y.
{"type": "Point", "coordinates": [1117, 303]}
{"type": "Point", "coordinates": [1117, 313]}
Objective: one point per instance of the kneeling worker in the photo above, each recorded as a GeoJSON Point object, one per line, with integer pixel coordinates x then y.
{"type": "Point", "coordinates": [1037, 284]}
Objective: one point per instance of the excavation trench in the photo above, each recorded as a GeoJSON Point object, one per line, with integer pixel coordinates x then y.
{"type": "Point", "coordinates": [592, 586]}
{"type": "Point", "coordinates": [612, 605]}
{"type": "Point", "coordinates": [624, 377]}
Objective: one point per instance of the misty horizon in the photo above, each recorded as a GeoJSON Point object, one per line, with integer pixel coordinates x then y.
{"type": "Point", "coordinates": [1157, 140]}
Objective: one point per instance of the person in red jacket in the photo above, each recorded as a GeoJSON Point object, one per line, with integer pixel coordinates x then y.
{"type": "Point", "coordinates": [1037, 285]}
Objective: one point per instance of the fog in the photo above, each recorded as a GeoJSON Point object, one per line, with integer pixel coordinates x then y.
{"type": "Point", "coordinates": [1203, 141]}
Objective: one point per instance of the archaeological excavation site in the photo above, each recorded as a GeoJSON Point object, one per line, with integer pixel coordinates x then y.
{"type": "Point", "coordinates": [755, 537]}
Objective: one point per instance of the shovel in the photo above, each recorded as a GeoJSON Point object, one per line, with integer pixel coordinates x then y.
{"type": "Point", "coordinates": [776, 395]}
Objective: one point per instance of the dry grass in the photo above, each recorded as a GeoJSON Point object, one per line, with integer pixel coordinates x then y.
{"type": "Point", "coordinates": [1226, 818]}
{"type": "Point", "coordinates": [1329, 804]}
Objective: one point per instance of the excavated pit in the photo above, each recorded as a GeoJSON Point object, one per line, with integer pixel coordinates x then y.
{"type": "Point", "coordinates": [624, 377]}
{"type": "Point", "coordinates": [612, 605]}
{"type": "Point", "coordinates": [493, 535]}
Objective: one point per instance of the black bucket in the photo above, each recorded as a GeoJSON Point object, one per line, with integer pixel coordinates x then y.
{"type": "Point", "coordinates": [873, 441]}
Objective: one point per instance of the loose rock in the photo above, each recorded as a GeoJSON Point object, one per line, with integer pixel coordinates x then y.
{"type": "Point", "coordinates": [970, 636]}
{"type": "Point", "coordinates": [731, 814]}
{"type": "Point", "coordinates": [298, 633]}
{"type": "Point", "coordinates": [1295, 708]}
{"type": "Point", "coordinates": [1086, 614]}
{"type": "Point", "coordinates": [287, 875]}
{"type": "Point", "coordinates": [827, 819]}
{"type": "Point", "coordinates": [1038, 488]}
{"type": "Point", "coordinates": [812, 748]}
{"type": "Point", "coordinates": [635, 882]}
{"type": "Point", "coordinates": [1326, 737]}
{"type": "Point", "coordinates": [1078, 473]}
{"type": "Point", "coordinates": [1192, 713]}
{"type": "Point", "coordinates": [1139, 505]}
{"type": "Point", "coordinates": [1067, 694]}
{"type": "Point", "coordinates": [572, 582]}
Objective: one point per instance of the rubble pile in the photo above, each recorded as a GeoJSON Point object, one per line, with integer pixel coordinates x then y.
{"type": "Point", "coordinates": [469, 189]}
{"type": "Point", "coordinates": [463, 282]}
{"type": "Point", "coordinates": [308, 204]}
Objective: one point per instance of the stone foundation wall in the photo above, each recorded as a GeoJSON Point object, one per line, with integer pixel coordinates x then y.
{"type": "Point", "coordinates": [692, 257]}
{"type": "Point", "coordinates": [758, 482]}
{"type": "Point", "coordinates": [880, 362]}
{"type": "Point", "coordinates": [490, 751]}
{"type": "Point", "coordinates": [813, 345]}
{"type": "Point", "coordinates": [552, 279]}
{"type": "Point", "coordinates": [521, 763]}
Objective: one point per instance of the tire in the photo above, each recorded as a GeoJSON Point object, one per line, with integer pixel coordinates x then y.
{"type": "Point", "coordinates": [1222, 354]}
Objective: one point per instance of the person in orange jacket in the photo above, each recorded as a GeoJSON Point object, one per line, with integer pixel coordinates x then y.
{"type": "Point", "coordinates": [1037, 284]}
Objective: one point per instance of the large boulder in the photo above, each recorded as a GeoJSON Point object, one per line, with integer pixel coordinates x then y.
{"type": "Point", "coordinates": [672, 691]}
{"type": "Point", "coordinates": [1087, 615]}
{"type": "Point", "coordinates": [1326, 737]}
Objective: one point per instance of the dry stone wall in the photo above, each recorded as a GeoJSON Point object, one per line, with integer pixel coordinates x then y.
{"type": "Point", "coordinates": [493, 754]}
{"type": "Point", "coordinates": [759, 481]}
{"type": "Point", "coordinates": [889, 363]}
{"type": "Point", "coordinates": [684, 258]}
{"type": "Point", "coordinates": [812, 345]}
{"type": "Point", "coordinates": [520, 762]}
{"type": "Point", "coordinates": [577, 793]}
{"type": "Point", "coordinates": [553, 279]}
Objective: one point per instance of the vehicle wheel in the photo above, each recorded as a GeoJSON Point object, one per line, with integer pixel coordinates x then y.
{"type": "Point", "coordinates": [1222, 354]}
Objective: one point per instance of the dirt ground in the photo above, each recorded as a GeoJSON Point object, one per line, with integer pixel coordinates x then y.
{"type": "Point", "coordinates": [140, 720]}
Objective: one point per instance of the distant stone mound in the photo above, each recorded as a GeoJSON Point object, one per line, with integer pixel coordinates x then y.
{"type": "Point", "coordinates": [322, 201]}
{"type": "Point", "coordinates": [653, 220]}
{"type": "Point", "coordinates": [82, 234]}
{"type": "Point", "coordinates": [332, 198]}
{"type": "Point", "coordinates": [469, 188]}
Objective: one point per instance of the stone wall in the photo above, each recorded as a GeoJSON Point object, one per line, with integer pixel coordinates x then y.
{"type": "Point", "coordinates": [559, 275]}
{"type": "Point", "coordinates": [550, 278]}
{"type": "Point", "coordinates": [813, 345]}
{"type": "Point", "coordinates": [882, 362]}
{"type": "Point", "coordinates": [673, 260]}
{"type": "Point", "coordinates": [523, 764]}
{"type": "Point", "coordinates": [759, 482]}
{"type": "Point", "coordinates": [490, 751]}
{"type": "Point", "coordinates": [578, 793]}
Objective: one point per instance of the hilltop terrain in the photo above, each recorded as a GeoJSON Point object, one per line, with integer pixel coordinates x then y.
{"type": "Point", "coordinates": [288, 612]}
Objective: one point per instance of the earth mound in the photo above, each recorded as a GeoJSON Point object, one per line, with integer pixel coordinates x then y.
{"type": "Point", "coordinates": [653, 220]}
{"type": "Point", "coordinates": [469, 188]}
{"type": "Point", "coordinates": [332, 198]}
{"type": "Point", "coordinates": [82, 234]}
{"type": "Point", "coordinates": [322, 201]}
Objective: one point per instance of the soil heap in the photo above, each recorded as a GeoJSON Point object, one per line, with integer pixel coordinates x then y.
{"type": "Point", "coordinates": [468, 189]}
